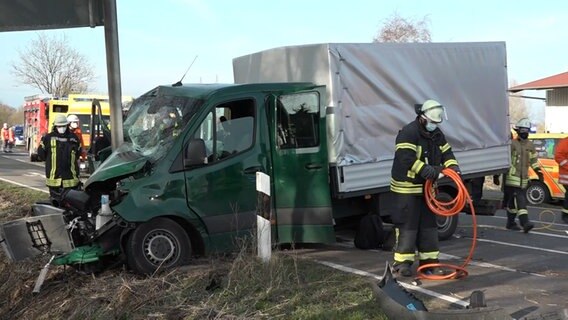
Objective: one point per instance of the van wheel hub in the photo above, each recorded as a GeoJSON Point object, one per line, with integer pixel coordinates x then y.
{"type": "Point", "coordinates": [536, 194]}
{"type": "Point", "coordinates": [160, 247]}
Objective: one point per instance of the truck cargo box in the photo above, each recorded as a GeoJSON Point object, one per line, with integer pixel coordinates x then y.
{"type": "Point", "coordinates": [371, 92]}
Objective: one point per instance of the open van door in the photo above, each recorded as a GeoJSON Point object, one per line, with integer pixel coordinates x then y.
{"type": "Point", "coordinates": [100, 138]}
{"type": "Point", "coordinates": [301, 197]}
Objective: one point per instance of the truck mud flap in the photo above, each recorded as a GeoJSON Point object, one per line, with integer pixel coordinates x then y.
{"type": "Point", "coordinates": [31, 236]}
{"type": "Point", "coordinates": [397, 303]}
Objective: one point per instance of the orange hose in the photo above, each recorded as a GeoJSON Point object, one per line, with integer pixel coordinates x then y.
{"type": "Point", "coordinates": [449, 208]}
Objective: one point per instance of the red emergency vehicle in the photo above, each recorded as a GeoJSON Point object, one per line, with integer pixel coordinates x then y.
{"type": "Point", "coordinates": [36, 121]}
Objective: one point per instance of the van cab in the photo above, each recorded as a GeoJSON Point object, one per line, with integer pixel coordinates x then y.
{"type": "Point", "coordinates": [549, 190]}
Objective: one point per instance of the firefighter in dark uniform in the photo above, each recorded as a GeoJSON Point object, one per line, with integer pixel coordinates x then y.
{"type": "Point", "coordinates": [60, 149]}
{"type": "Point", "coordinates": [421, 153]}
{"type": "Point", "coordinates": [523, 155]}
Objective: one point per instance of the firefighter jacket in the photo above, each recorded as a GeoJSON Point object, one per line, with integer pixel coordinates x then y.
{"type": "Point", "coordinates": [60, 152]}
{"type": "Point", "coordinates": [523, 155]}
{"type": "Point", "coordinates": [561, 156]}
{"type": "Point", "coordinates": [415, 148]}
{"type": "Point", "coordinates": [8, 134]}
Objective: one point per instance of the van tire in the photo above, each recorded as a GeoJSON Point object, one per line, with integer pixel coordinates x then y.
{"type": "Point", "coordinates": [447, 226]}
{"type": "Point", "coordinates": [150, 245]}
{"type": "Point", "coordinates": [537, 193]}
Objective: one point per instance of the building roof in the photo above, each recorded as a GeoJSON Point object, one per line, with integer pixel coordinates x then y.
{"type": "Point", "coordinates": [556, 81]}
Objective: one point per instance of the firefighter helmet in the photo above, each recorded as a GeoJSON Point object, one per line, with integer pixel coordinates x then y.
{"type": "Point", "coordinates": [60, 120]}
{"type": "Point", "coordinates": [432, 110]}
{"type": "Point", "coordinates": [72, 118]}
{"type": "Point", "coordinates": [523, 123]}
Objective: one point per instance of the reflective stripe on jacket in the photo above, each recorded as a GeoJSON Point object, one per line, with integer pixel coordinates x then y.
{"type": "Point", "coordinates": [60, 152]}
{"type": "Point", "coordinates": [523, 155]}
{"type": "Point", "coordinates": [8, 134]}
{"type": "Point", "coordinates": [414, 149]}
{"type": "Point", "coordinates": [561, 156]}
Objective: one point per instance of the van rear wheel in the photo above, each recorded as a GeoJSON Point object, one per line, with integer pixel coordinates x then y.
{"type": "Point", "coordinates": [537, 192]}
{"type": "Point", "coordinates": [160, 243]}
{"type": "Point", "coordinates": [447, 226]}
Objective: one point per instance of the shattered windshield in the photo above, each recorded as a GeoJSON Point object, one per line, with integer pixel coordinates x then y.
{"type": "Point", "coordinates": [154, 122]}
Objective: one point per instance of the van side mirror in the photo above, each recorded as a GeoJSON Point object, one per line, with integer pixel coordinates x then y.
{"type": "Point", "coordinates": [195, 153]}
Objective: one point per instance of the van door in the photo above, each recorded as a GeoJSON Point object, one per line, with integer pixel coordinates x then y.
{"type": "Point", "coordinates": [223, 192]}
{"type": "Point", "coordinates": [301, 195]}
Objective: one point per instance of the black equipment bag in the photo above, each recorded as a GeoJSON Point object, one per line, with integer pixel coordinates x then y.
{"type": "Point", "coordinates": [370, 234]}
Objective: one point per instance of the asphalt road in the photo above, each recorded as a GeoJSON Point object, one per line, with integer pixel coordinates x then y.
{"type": "Point", "coordinates": [526, 274]}
{"type": "Point", "coordinates": [16, 168]}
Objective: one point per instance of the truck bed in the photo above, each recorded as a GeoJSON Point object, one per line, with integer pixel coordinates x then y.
{"type": "Point", "coordinates": [371, 92]}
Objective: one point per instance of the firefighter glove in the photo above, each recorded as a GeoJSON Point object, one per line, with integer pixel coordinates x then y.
{"type": "Point", "coordinates": [430, 172]}
{"type": "Point", "coordinates": [456, 169]}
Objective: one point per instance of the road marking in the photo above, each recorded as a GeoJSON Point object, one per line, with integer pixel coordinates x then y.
{"type": "Point", "coordinates": [32, 174]}
{"type": "Point", "coordinates": [24, 161]}
{"type": "Point", "coordinates": [23, 185]}
{"type": "Point", "coordinates": [532, 232]}
{"type": "Point", "coordinates": [404, 284]}
{"type": "Point", "coordinates": [445, 256]}
{"type": "Point", "coordinates": [523, 246]}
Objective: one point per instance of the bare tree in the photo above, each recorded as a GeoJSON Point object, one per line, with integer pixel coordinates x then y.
{"type": "Point", "coordinates": [5, 113]}
{"type": "Point", "coordinates": [52, 66]}
{"type": "Point", "coordinates": [400, 29]}
{"type": "Point", "coordinates": [518, 107]}
{"type": "Point", "coordinates": [17, 116]}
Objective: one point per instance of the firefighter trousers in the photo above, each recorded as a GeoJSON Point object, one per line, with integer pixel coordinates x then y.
{"type": "Point", "coordinates": [515, 200]}
{"type": "Point", "coordinates": [415, 230]}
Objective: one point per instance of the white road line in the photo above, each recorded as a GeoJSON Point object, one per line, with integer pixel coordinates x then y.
{"type": "Point", "coordinates": [405, 285]}
{"type": "Point", "coordinates": [32, 174]}
{"type": "Point", "coordinates": [523, 246]}
{"type": "Point", "coordinates": [532, 232]}
{"type": "Point", "coordinates": [24, 161]}
{"type": "Point", "coordinates": [445, 256]}
{"type": "Point", "coordinates": [23, 185]}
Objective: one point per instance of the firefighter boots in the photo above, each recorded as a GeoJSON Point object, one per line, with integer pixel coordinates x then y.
{"type": "Point", "coordinates": [527, 225]}
{"type": "Point", "coordinates": [403, 269]}
{"type": "Point", "coordinates": [511, 224]}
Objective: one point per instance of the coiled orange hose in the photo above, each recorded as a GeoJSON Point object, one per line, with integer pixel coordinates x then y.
{"type": "Point", "coordinates": [449, 208]}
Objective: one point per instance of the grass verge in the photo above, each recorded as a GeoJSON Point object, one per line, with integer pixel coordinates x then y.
{"type": "Point", "coordinates": [237, 286]}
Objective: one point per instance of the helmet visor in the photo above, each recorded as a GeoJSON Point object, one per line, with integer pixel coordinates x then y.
{"type": "Point", "coordinates": [435, 114]}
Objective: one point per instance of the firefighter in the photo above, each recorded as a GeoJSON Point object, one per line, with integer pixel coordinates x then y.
{"type": "Point", "coordinates": [561, 156]}
{"type": "Point", "coordinates": [60, 150]}
{"type": "Point", "coordinates": [7, 137]}
{"type": "Point", "coordinates": [75, 127]}
{"type": "Point", "coordinates": [421, 152]}
{"type": "Point", "coordinates": [523, 155]}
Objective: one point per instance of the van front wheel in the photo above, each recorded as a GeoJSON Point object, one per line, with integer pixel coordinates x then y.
{"type": "Point", "coordinates": [160, 244]}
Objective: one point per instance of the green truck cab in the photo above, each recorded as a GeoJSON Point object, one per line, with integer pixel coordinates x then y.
{"type": "Point", "coordinates": [186, 173]}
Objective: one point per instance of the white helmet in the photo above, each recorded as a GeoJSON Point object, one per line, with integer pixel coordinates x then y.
{"type": "Point", "coordinates": [433, 110]}
{"type": "Point", "coordinates": [523, 123]}
{"type": "Point", "coordinates": [60, 120]}
{"type": "Point", "coordinates": [72, 118]}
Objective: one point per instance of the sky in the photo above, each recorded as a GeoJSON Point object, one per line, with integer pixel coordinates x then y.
{"type": "Point", "coordinates": [158, 40]}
